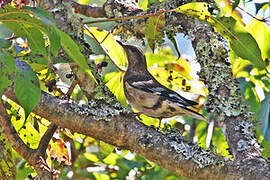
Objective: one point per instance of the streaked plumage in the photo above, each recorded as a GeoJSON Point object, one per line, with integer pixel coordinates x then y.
{"type": "Point", "coordinates": [147, 95]}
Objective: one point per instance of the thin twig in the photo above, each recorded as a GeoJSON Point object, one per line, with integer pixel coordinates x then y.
{"type": "Point", "coordinates": [130, 17]}
{"type": "Point", "coordinates": [263, 20]}
{"type": "Point", "coordinates": [44, 142]}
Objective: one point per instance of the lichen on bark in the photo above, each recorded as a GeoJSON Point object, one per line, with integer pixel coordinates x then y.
{"type": "Point", "coordinates": [7, 166]}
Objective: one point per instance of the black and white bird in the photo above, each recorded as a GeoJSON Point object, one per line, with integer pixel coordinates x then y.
{"type": "Point", "coordinates": [147, 95]}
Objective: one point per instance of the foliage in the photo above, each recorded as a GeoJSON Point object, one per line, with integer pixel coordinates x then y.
{"type": "Point", "coordinates": [27, 57]}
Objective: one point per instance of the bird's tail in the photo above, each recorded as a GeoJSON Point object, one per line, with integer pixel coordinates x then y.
{"type": "Point", "coordinates": [195, 114]}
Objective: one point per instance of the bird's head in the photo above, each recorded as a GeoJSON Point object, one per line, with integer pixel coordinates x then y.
{"type": "Point", "coordinates": [135, 56]}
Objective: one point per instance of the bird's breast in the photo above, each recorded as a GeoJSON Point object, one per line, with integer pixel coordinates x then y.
{"type": "Point", "coordinates": [139, 99]}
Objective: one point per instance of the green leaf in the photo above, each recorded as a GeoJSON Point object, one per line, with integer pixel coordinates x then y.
{"type": "Point", "coordinates": [235, 4]}
{"type": "Point", "coordinates": [241, 42]}
{"type": "Point", "coordinates": [201, 133]}
{"type": "Point", "coordinates": [101, 176]}
{"type": "Point", "coordinates": [158, 174]}
{"type": "Point", "coordinates": [73, 51]}
{"type": "Point", "coordinates": [250, 95]}
{"type": "Point", "coordinates": [261, 32]}
{"type": "Point", "coordinates": [153, 1]}
{"type": "Point", "coordinates": [219, 141]}
{"type": "Point", "coordinates": [45, 17]}
{"type": "Point", "coordinates": [4, 43]}
{"type": "Point", "coordinates": [4, 31]}
{"type": "Point", "coordinates": [34, 36]}
{"type": "Point", "coordinates": [26, 87]}
{"type": "Point", "coordinates": [104, 150]}
{"type": "Point", "coordinates": [50, 28]}
{"type": "Point", "coordinates": [20, 20]}
{"type": "Point", "coordinates": [266, 149]}
{"type": "Point", "coordinates": [263, 118]}
{"type": "Point", "coordinates": [125, 167]}
{"type": "Point", "coordinates": [21, 17]}
{"type": "Point", "coordinates": [143, 4]}
{"type": "Point", "coordinates": [35, 59]}
{"type": "Point", "coordinates": [7, 71]}
{"type": "Point", "coordinates": [111, 159]}
{"type": "Point", "coordinates": [239, 68]}
{"type": "Point", "coordinates": [154, 30]}
{"type": "Point", "coordinates": [266, 82]}
{"type": "Point", "coordinates": [129, 164]}
{"type": "Point", "coordinates": [96, 49]}
{"type": "Point", "coordinates": [195, 9]}
{"type": "Point", "coordinates": [23, 21]}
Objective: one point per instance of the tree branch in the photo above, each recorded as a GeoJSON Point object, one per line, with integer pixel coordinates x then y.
{"type": "Point", "coordinates": [119, 127]}
{"type": "Point", "coordinates": [35, 157]}
{"type": "Point", "coordinates": [112, 124]}
{"type": "Point", "coordinates": [12, 136]}
{"type": "Point", "coordinates": [90, 11]}
{"type": "Point", "coordinates": [44, 142]}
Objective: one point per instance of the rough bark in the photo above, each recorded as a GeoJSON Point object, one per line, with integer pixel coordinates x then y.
{"type": "Point", "coordinates": [117, 126]}
{"type": "Point", "coordinates": [34, 157]}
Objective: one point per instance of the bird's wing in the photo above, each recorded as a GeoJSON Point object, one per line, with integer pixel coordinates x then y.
{"type": "Point", "coordinates": [149, 84]}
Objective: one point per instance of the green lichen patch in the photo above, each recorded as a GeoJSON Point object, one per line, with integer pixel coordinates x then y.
{"type": "Point", "coordinates": [99, 108]}
{"type": "Point", "coordinates": [7, 167]}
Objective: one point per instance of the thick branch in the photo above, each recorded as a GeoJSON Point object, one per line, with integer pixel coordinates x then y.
{"type": "Point", "coordinates": [12, 136]}
{"type": "Point", "coordinates": [33, 156]}
{"type": "Point", "coordinates": [225, 99]}
{"type": "Point", "coordinates": [115, 126]}
{"type": "Point", "coordinates": [124, 131]}
{"type": "Point", "coordinates": [90, 11]}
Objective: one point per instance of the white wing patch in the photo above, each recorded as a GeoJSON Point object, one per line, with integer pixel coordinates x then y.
{"type": "Point", "coordinates": [140, 83]}
{"type": "Point", "coordinates": [173, 96]}
{"type": "Point", "coordinates": [158, 89]}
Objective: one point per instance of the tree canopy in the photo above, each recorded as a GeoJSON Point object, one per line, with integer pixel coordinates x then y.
{"type": "Point", "coordinates": [63, 112]}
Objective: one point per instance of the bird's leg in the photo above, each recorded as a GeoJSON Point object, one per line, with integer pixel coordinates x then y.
{"type": "Point", "coordinates": [159, 123]}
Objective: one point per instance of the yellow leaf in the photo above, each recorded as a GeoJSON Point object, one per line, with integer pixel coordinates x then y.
{"type": "Point", "coordinates": [175, 81]}
{"type": "Point", "coordinates": [109, 45]}
{"type": "Point", "coordinates": [261, 32]}
{"type": "Point", "coordinates": [115, 85]}
{"type": "Point", "coordinates": [26, 131]}
{"type": "Point", "coordinates": [195, 9]}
